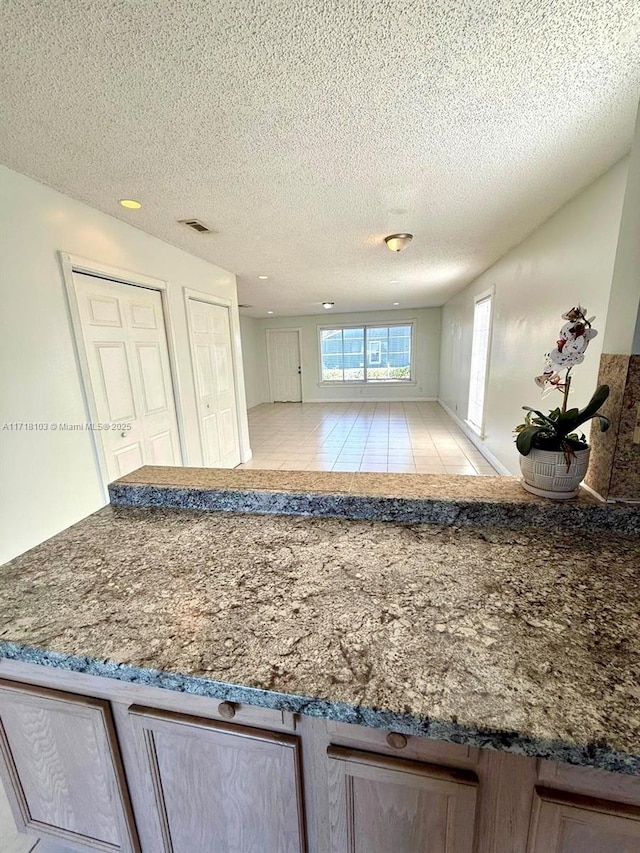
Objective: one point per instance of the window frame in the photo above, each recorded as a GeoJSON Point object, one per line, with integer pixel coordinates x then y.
{"type": "Point", "coordinates": [490, 294]}
{"type": "Point", "coordinates": [340, 383]}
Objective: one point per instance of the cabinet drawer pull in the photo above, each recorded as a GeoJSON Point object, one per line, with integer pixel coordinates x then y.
{"type": "Point", "coordinates": [227, 710]}
{"type": "Point", "coordinates": [396, 741]}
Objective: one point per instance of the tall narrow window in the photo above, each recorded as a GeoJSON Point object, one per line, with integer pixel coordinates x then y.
{"type": "Point", "coordinates": [479, 361]}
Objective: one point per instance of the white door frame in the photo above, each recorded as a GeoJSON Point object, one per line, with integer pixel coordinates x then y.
{"type": "Point", "coordinates": [298, 329]}
{"type": "Point", "coordinates": [234, 330]}
{"type": "Point", "coordinates": [75, 263]}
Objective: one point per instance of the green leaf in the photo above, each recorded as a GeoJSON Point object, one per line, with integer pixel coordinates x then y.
{"type": "Point", "coordinates": [570, 420]}
{"type": "Point", "coordinates": [604, 422]}
{"type": "Point", "coordinates": [595, 403]}
{"type": "Point", "coordinates": [525, 439]}
{"type": "Point", "coordinates": [541, 416]}
{"type": "Point", "coordinates": [569, 415]}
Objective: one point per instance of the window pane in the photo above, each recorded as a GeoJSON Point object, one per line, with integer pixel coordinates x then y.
{"type": "Point", "coordinates": [400, 352]}
{"type": "Point", "coordinates": [331, 354]}
{"type": "Point", "coordinates": [353, 355]}
{"type": "Point", "coordinates": [389, 353]}
{"type": "Point", "coordinates": [479, 358]}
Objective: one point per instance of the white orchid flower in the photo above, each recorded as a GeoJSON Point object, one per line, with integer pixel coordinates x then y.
{"type": "Point", "coordinates": [570, 347]}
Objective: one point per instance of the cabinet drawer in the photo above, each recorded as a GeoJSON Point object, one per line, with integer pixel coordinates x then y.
{"type": "Point", "coordinates": [62, 769]}
{"type": "Point", "coordinates": [585, 780]}
{"type": "Point", "coordinates": [404, 746]}
{"type": "Point", "coordinates": [140, 694]}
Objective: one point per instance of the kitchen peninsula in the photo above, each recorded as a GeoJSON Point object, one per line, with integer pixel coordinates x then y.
{"type": "Point", "coordinates": [332, 662]}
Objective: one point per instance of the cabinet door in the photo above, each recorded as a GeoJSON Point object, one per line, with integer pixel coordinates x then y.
{"type": "Point", "coordinates": [62, 769]}
{"type": "Point", "coordinates": [380, 804]}
{"type": "Point", "coordinates": [220, 787]}
{"type": "Point", "coordinates": [571, 823]}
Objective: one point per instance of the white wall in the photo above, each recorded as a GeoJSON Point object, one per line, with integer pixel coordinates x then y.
{"type": "Point", "coordinates": [253, 359]}
{"type": "Point", "coordinates": [426, 356]}
{"type": "Point", "coordinates": [623, 322]}
{"type": "Point", "coordinates": [568, 259]}
{"type": "Point", "coordinates": [50, 480]}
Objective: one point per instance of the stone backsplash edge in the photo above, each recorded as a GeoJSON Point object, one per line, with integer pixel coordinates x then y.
{"type": "Point", "coordinates": [411, 510]}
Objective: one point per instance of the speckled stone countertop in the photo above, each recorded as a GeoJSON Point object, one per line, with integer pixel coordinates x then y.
{"type": "Point", "coordinates": [526, 641]}
{"type": "Point", "coordinates": [383, 497]}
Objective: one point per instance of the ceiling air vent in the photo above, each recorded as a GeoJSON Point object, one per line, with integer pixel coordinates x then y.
{"type": "Point", "coordinates": [196, 225]}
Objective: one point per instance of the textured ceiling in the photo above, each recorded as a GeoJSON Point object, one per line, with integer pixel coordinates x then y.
{"type": "Point", "coordinates": [303, 131]}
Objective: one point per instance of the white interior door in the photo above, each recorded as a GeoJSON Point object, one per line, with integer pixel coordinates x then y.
{"type": "Point", "coordinates": [126, 348]}
{"type": "Point", "coordinates": [210, 334]}
{"type": "Point", "coordinates": [283, 354]}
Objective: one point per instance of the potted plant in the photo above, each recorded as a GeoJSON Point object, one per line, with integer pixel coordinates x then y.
{"type": "Point", "coordinates": [554, 456]}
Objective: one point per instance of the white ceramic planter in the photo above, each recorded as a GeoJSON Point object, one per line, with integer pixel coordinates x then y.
{"type": "Point", "coordinates": [545, 473]}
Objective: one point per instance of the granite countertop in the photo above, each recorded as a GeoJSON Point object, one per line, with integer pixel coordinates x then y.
{"type": "Point", "coordinates": [522, 640]}
{"type": "Point", "coordinates": [436, 499]}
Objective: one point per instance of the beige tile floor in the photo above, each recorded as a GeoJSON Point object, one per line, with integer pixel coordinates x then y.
{"type": "Point", "coordinates": [393, 437]}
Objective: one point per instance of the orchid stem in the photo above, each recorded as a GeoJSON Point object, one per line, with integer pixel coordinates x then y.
{"type": "Point", "coordinates": [567, 386]}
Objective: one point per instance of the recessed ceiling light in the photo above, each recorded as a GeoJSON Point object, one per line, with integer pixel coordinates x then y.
{"type": "Point", "coordinates": [394, 281]}
{"type": "Point", "coordinates": [328, 305]}
{"type": "Point", "coordinates": [130, 203]}
{"type": "Point", "coordinates": [396, 303]}
{"type": "Point", "coordinates": [263, 277]}
{"type": "Point", "coordinates": [269, 312]}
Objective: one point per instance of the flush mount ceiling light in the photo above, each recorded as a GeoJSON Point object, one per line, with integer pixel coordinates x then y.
{"type": "Point", "coordinates": [130, 203]}
{"type": "Point", "coordinates": [398, 242]}
{"type": "Point", "coordinates": [269, 312]}
{"type": "Point", "coordinates": [328, 305]}
{"type": "Point", "coordinates": [263, 277]}
{"type": "Point", "coordinates": [395, 303]}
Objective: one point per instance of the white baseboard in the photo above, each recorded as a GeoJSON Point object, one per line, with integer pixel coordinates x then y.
{"type": "Point", "coordinates": [475, 439]}
{"type": "Point", "coordinates": [370, 400]}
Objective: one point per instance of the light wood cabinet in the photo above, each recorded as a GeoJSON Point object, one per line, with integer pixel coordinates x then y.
{"type": "Point", "coordinates": [62, 769]}
{"type": "Point", "coordinates": [380, 804]}
{"type": "Point", "coordinates": [570, 823]}
{"type": "Point", "coordinates": [94, 764]}
{"type": "Point", "coordinates": [219, 787]}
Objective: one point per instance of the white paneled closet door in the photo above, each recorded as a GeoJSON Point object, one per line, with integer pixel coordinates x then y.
{"type": "Point", "coordinates": [126, 347]}
{"type": "Point", "coordinates": [211, 350]}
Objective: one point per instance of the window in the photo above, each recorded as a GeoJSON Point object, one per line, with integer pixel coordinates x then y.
{"type": "Point", "coordinates": [366, 353]}
{"type": "Point", "coordinates": [479, 360]}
